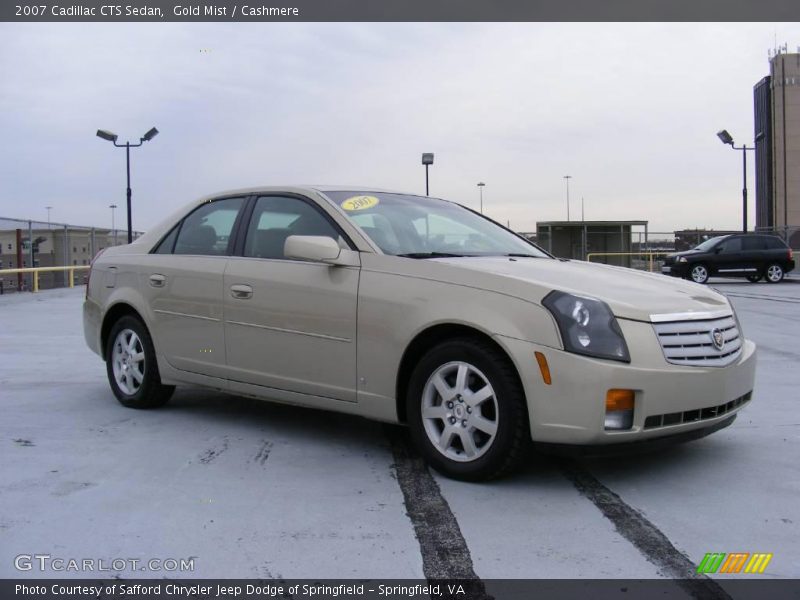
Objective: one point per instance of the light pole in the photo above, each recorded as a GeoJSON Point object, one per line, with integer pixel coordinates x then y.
{"type": "Point", "coordinates": [726, 138]}
{"type": "Point", "coordinates": [112, 137]}
{"type": "Point", "coordinates": [113, 227]}
{"type": "Point", "coordinates": [567, 178]}
{"type": "Point", "coordinates": [481, 185]}
{"type": "Point", "coordinates": [48, 208]}
{"type": "Point", "coordinates": [427, 159]}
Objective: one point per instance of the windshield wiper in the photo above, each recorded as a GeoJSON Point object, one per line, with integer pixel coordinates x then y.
{"type": "Point", "coordinates": [521, 255]}
{"type": "Point", "coordinates": [430, 255]}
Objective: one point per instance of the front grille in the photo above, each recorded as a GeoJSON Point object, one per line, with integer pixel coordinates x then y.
{"type": "Point", "coordinates": [692, 342]}
{"type": "Point", "coordinates": [698, 414]}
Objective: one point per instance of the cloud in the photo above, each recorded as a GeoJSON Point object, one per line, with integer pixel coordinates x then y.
{"type": "Point", "coordinates": [629, 110]}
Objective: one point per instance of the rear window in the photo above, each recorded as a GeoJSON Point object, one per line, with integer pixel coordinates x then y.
{"type": "Point", "coordinates": [774, 243]}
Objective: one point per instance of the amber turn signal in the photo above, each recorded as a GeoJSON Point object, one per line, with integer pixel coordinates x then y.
{"type": "Point", "coordinates": [619, 400]}
{"type": "Point", "coordinates": [544, 368]}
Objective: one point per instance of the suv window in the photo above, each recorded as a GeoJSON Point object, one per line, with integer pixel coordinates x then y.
{"type": "Point", "coordinates": [275, 218]}
{"type": "Point", "coordinates": [730, 245]}
{"type": "Point", "coordinates": [208, 229]}
{"type": "Point", "coordinates": [774, 243]}
{"type": "Point", "coordinates": [753, 242]}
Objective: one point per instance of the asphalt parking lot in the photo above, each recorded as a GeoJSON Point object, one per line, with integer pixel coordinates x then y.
{"type": "Point", "coordinates": [249, 489]}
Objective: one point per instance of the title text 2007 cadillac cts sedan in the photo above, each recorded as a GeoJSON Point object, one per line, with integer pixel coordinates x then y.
{"type": "Point", "coordinates": [411, 309]}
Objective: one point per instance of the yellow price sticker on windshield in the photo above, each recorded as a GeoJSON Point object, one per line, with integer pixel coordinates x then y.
{"type": "Point", "coordinates": [360, 202]}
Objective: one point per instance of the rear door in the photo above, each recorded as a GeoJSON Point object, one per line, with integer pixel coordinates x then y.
{"type": "Point", "coordinates": [290, 324]}
{"type": "Point", "coordinates": [182, 281]}
{"type": "Point", "coordinates": [754, 253]}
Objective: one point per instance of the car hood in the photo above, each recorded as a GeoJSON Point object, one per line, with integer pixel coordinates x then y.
{"type": "Point", "coordinates": [684, 253]}
{"type": "Point", "coordinates": [631, 294]}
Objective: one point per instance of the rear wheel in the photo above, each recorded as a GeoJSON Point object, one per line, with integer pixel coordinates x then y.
{"type": "Point", "coordinates": [754, 278]}
{"type": "Point", "coordinates": [699, 273]}
{"type": "Point", "coordinates": [466, 411]}
{"type": "Point", "coordinates": [774, 273]}
{"type": "Point", "coordinates": [131, 366]}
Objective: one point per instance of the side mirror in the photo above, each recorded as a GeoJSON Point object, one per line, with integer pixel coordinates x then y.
{"type": "Point", "coordinates": [315, 248]}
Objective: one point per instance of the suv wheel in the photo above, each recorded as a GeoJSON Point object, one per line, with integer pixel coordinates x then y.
{"type": "Point", "coordinates": [699, 273]}
{"type": "Point", "coordinates": [774, 273]}
{"type": "Point", "coordinates": [466, 411]}
{"type": "Point", "coordinates": [754, 277]}
{"type": "Point", "coordinates": [131, 366]}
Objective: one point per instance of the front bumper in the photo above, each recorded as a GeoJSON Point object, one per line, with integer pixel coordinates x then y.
{"type": "Point", "coordinates": [572, 409]}
{"type": "Point", "coordinates": [676, 270]}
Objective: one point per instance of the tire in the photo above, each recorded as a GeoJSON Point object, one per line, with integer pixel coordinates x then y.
{"type": "Point", "coordinates": [774, 273]}
{"type": "Point", "coordinates": [496, 422]}
{"type": "Point", "coordinates": [699, 273]}
{"type": "Point", "coordinates": [755, 278]}
{"type": "Point", "coordinates": [132, 368]}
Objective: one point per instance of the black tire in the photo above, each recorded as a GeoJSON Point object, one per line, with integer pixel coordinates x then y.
{"type": "Point", "coordinates": [148, 392]}
{"type": "Point", "coordinates": [754, 278]}
{"type": "Point", "coordinates": [699, 273]}
{"type": "Point", "coordinates": [510, 442]}
{"type": "Point", "coordinates": [774, 273]}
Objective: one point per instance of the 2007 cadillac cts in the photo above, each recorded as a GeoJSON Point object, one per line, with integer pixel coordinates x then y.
{"type": "Point", "coordinates": [411, 309]}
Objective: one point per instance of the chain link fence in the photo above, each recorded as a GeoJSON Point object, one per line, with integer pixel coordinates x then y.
{"type": "Point", "coordinates": [30, 243]}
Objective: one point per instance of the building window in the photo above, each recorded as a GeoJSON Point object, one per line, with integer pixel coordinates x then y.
{"type": "Point", "coordinates": [9, 247]}
{"type": "Point", "coordinates": [74, 249]}
{"type": "Point", "coordinates": [84, 250]}
{"type": "Point", "coordinates": [74, 261]}
{"type": "Point", "coordinates": [84, 261]}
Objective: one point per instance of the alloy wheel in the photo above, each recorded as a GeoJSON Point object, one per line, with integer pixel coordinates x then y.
{"type": "Point", "coordinates": [459, 411]}
{"type": "Point", "coordinates": [128, 361]}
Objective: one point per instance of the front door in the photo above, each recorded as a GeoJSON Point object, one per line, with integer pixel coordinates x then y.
{"type": "Point", "coordinates": [290, 324]}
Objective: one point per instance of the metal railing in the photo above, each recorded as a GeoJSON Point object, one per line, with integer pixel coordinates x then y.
{"type": "Point", "coordinates": [36, 270]}
{"type": "Point", "coordinates": [649, 260]}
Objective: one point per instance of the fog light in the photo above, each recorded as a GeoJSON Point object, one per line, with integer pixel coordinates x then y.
{"type": "Point", "coordinates": [619, 409]}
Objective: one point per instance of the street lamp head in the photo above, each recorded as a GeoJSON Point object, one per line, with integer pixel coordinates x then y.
{"type": "Point", "coordinates": [481, 184]}
{"type": "Point", "coordinates": [107, 135]}
{"type": "Point", "coordinates": [725, 137]}
{"type": "Point", "coordinates": [427, 158]}
{"type": "Point", "coordinates": [112, 206]}
{"type": "Point", "coordinates": [150, 135]}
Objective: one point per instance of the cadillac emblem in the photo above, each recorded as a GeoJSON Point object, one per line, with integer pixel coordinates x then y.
{"type": "Point", "coordinates": [717, 338]}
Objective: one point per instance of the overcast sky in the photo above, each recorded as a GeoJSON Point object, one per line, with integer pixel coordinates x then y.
{"type": "Point", "coordinates": [629, 110]}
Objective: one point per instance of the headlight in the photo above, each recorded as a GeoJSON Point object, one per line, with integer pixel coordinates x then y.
{"type": "Point", "coordinates": [587, 326]}
{"type": "Point", "coordinates": [681, 259]}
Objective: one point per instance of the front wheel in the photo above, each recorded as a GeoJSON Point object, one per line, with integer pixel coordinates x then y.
{"type": "Point", "coordinates": [774, 273]}
{"type": "Point", "coordinates": [466, 411]}
{"type": "Point", "coordinates": [699, 273]}
{"type": "Point", "coordinates": [131, 366]}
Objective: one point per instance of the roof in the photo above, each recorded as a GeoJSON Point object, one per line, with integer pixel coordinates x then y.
{"type": "Point", "coordinates": [588, 223]}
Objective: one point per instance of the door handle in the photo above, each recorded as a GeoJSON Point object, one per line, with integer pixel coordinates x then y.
{"type": "Point", "coordinates": [241, 291]}
{"type": "Point", "coordinates": [157, 280]}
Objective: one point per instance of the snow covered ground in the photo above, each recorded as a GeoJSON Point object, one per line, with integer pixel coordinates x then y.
{"type": "Point", "coordinates": [258, 490]}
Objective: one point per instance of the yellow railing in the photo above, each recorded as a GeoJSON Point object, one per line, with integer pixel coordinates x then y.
{"type": "Point", "coordinates": [648, 254]}
{"type": "Point", "coordinates": [37, 270]}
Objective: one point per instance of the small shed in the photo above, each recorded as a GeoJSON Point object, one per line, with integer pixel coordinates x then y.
{"type": "Point", "coordinates": [579, 239]}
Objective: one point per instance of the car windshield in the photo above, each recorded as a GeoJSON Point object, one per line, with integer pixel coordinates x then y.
{"type": "Point", "coordinates": [421, 227]}
{"type": "Point", "coordinates": [708, 244]}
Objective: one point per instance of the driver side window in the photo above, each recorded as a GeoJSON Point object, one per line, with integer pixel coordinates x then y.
{"type": "Point", "coordinates": [275, 218]}
{"type": "Point", "coordinates": [730, 245]}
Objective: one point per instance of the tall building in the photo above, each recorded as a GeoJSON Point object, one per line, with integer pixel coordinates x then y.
{"type": "Point", "coordinates": [777, 134]}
